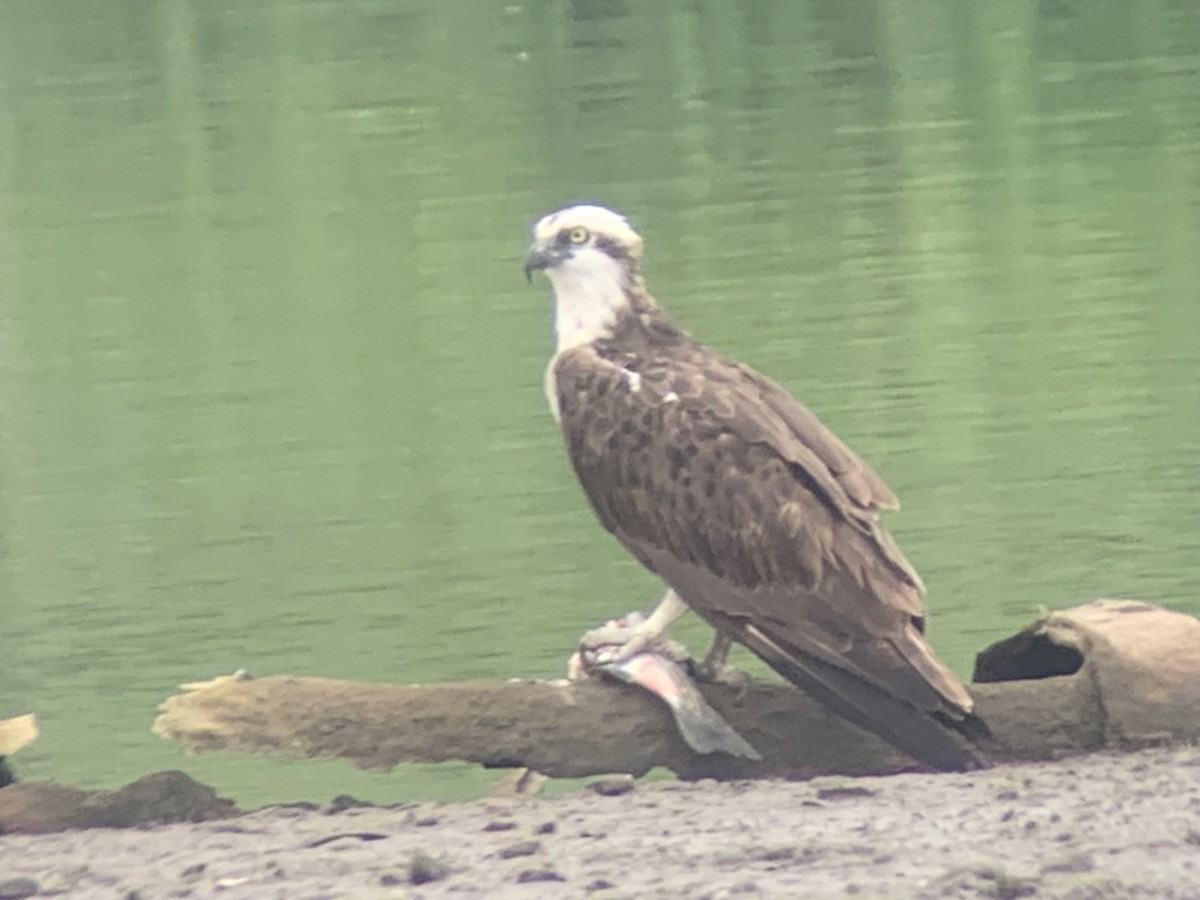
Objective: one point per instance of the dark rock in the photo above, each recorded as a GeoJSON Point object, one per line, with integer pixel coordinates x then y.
{"type": "Point", "coordinates": [40, 806]}
{"type": "Point", "coordinates": [612, 787]}
{"type": "Point", "coordinates": [32, 807]}
{"type": "Point", "coordinates": [525, 848]}
{"type": "Point", "coordinates": [1005, 886]}
{"type": "Point", "coordinates": [423, 868]}
{"type": "Point", "coordinates": [18, 888]}
{"type": "Point", "coordinates": [343, 802]}
{"type": "Point", "coordinates": [169, 796]}
{"type": "Point", "coordinates": [354, 835]}
{"type": "Point", "coordinates": [1076, 862]}
{"type": "Point", "coordinates": [533, 875]}
{"type": "Point", "coordinates": [844, 793]}
{"type": "Point", "coordinates": [295, 809]}
{"type": "Point", "coordinates": [600, 884]}
{"type": "Point", "coordinates": [498, 825]}
{"type": "Point", "coordinates": [775, 854]}
{"type": "Point", "coordinates": [546, 828]}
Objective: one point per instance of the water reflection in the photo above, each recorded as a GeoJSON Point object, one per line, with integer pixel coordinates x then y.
{"type": "Point", "coordinates": [271, 380]}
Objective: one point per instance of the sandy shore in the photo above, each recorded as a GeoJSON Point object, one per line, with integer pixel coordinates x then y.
{"type": "Point", "coordinates": [1098, 826]}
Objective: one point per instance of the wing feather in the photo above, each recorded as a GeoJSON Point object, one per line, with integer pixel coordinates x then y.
{"type": "Point", "coordinates": [698, 432]}
{"type": "Point", "coordinates": [738, 496]}
{"type": "Point", "coordinates": [862, 484]}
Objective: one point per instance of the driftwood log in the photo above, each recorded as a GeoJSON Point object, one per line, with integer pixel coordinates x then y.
{"type": "Point", "coordinates": [1107, 674]}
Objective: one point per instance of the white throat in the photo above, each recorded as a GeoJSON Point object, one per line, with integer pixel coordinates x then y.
{"type": "Point", "coordinates": [589, 293]}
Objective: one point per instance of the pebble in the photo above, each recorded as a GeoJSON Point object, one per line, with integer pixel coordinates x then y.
{"type": "Point", "coordinates": [525, 848]}
{"type": "Point", "coordinates": [18, 888]}
{"type": "Point", "coordinates": [532, 875]}
{"type": "Point", "coordinates": [612, 787]}
{"type": "Point", "coordinates": [425, 868]}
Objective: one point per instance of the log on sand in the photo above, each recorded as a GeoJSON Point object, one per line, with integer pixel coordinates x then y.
{"type": "Point", "coordinates": [1112, 673]}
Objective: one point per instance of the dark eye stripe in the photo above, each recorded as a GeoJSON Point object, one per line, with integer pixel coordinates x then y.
{"type": "Point", "coordinates": [611, 247]}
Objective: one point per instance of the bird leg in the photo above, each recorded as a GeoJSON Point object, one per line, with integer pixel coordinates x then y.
{"type": "Point", "coordinates": [717, 657]}
{"type": "Point", "coordinates": [715, 667]}
{"type": "Point", "coordinates": [642, 635]}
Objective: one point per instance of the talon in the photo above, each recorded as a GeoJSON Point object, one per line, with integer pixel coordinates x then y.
{"type": "Point", "coordinates": [725, 674]}
{"type": "Point", "coordinates": [619, 640]}
{"type": "Point", "coordinates": [636, 644]}
{"type": "Point", "coordinates": [715, 668]}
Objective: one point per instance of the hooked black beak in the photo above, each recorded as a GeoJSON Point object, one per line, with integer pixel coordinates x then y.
{"type": "Point", "coordinates": [541, 257]}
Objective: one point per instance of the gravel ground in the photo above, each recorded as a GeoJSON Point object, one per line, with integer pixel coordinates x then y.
{"type": "Point", "coordinates": [1098, 826]}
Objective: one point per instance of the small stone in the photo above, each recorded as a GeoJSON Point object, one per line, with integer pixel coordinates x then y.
{"type": "Point", "coordinates": [844, 793]}
{"type": "Point", "coordinates": [193, 873]}
{"type": "Point", "coordinates": [497, 825]}
{"type": "Point", "coordinates": [614, 786]}
{"type": "Point", "coordinates": [1076, 862]}
{"type": "Point", "coordinates": [427, 822]}
{"type": "Point", "coordinates": [525, 848]}
{"type": "Point", "coordinates": [1192, 837]}
{"type": "Point", "coordinates": [424, 868]}
{"type": "Point", "coordinates": [776, 854]}
{"type": "Point", "coordinates": [18, 888]}
{"type": "Point", "coordinates": [600, 884]}
{"type": "Point", "coordinates": [532, 875]}
{"type": "Point", "coordinates": [546, 828]}
{"type": "Point", "coordinates": [1006, 886]}
{"type": "Point", "coordinates": [343, 802]}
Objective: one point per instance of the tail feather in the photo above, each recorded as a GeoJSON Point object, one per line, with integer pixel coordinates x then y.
{"type": "Point", "coordinates": [906, 665]}
{"type": "Point", "coordinates": [863, 699]}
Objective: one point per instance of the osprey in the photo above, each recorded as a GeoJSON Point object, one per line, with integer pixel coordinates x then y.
{"type": "Point", "coordinates": [732, 492]}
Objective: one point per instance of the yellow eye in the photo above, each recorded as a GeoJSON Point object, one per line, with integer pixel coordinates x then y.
{"type": "Point", "coordinates": [578, 235]}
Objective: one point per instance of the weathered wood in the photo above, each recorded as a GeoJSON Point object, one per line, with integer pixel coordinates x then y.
{"type": "Point", "coordinates": [17, 732]}
{"type": "Point", "coordinates": [574, 729]}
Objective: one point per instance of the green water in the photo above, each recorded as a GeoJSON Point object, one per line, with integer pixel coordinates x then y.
{"type": "Point", "coordinates": [270, 378]}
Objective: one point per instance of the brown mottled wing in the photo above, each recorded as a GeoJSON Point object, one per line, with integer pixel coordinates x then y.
{"type": "Point", "coordinates": [784, 459]}
{"type": "Point", "coordinates": [760, 518]}
{"type": "Point", "coordinates": [864, 490]}
{"type": "Point", "coordinates": [862, 484]}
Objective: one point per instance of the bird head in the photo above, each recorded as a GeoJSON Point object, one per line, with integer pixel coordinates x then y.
{"type": "Point", "coordinates": [582, 242]}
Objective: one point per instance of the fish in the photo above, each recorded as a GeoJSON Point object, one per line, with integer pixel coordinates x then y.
{"type": "Point", "coordinates": [660, 669]}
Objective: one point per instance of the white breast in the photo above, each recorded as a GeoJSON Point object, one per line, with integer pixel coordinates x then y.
{"type": "Point", "coordinates": [550, 386]}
